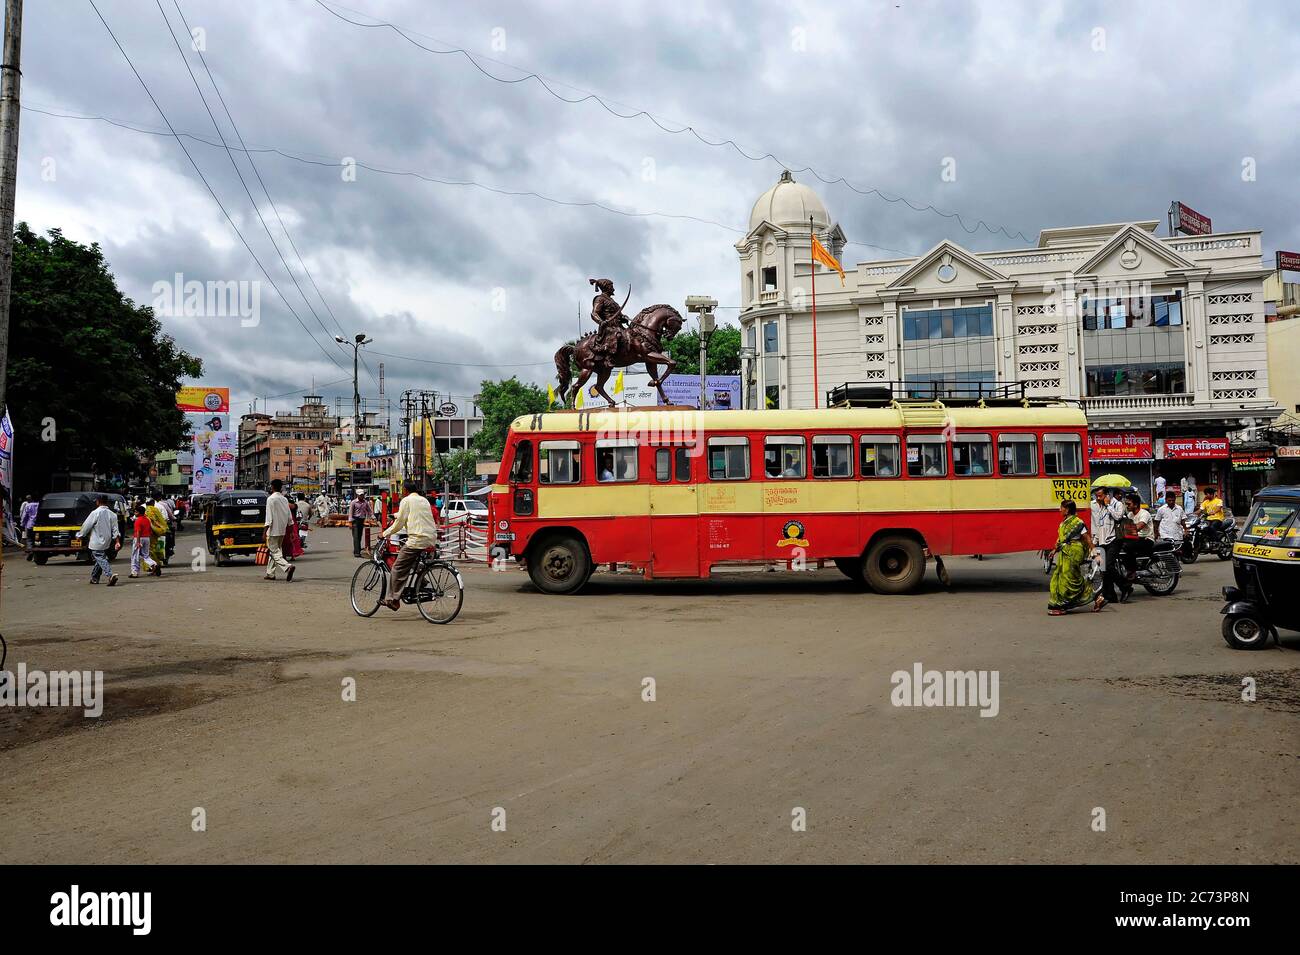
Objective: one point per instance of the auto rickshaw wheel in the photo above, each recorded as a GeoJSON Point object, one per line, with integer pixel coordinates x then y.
{"type": "Point", "coordinates": [1243, 631]}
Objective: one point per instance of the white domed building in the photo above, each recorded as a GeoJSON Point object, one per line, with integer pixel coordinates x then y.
{"type": "Point", "coordinates": [1162, 338]}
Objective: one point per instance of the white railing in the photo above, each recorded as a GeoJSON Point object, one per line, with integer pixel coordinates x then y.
{"type": "Point", "coordinates": [463, 541]}
{"type": "Point", "coordinates": [1210, 244]}
{"type": "Point", "coordinates": [1137, 402]}
{"type": "Point", "coordinates": [769, 298]}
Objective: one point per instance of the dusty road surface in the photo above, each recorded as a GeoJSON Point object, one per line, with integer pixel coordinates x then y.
{"type": "Point", "coordinates": [772, 694]}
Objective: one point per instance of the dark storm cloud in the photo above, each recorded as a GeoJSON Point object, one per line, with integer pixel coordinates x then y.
{"type": "Point", "coordinates": [1045, 130]}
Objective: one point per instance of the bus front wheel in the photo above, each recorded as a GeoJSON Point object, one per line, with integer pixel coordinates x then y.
{"type": "Point", "coordinates": [894, 565]}
{"type": "Point", "coordinates": [559, 565]}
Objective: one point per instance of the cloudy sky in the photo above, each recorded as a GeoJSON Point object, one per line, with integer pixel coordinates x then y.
{"type": "Point", "coordinates": [1053, 113]}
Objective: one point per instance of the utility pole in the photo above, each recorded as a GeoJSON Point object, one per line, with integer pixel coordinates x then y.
{"type": "Point", "coordinates": [10, 77]}
{"type": "Point", "coordinates": [356, 344]}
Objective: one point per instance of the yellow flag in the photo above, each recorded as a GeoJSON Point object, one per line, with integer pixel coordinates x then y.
{"type": "Point", "coordinates": [820, 254]}
{"type": "Point", "coordinates": [618, 383]}
{"type": "Point", "coordinates": [550, 395]}
{"type": "Point", "coordinates": [578, 402]}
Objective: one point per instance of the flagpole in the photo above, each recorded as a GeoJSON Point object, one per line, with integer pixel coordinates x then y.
{"type": "Point", "coordinates": [812, 279]}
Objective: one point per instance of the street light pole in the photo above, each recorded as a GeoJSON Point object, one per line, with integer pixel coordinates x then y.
{"type": "Point", "coordinates": [9, 112]}
{"type": "Point", "coordinates": [356, 344]}
{"type": "Point", "coordinates": [703, 305]}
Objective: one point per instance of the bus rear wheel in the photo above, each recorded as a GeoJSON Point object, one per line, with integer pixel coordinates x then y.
{"type": "Point", "coordinates": [894, 565]}
{"type": "Point", "coordinates": [559, 565]}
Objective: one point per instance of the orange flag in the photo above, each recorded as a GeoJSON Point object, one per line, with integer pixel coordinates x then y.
{"type": "Point", "coordinates": [820, 254]}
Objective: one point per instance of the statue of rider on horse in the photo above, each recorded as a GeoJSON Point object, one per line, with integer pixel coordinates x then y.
{"type": "Point", "coordinates": [617, 343]}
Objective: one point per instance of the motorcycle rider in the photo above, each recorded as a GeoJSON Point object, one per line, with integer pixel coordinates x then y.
{"type": "Point", "coordinates": [1214, 512]}
{"type": "Point", "coordinates": [1137, 541]}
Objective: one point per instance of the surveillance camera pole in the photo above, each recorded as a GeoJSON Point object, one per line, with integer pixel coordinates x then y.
{"type": "Point", "coordinates": [703, 305]}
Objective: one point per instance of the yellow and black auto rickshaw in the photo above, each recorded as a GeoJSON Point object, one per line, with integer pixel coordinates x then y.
{"type": "Point", "coordinates": [235, 523]}
{"type": "Point", "coordinates": [1266, 565]}
{"type": "Point", "coordinates": [59, 518]}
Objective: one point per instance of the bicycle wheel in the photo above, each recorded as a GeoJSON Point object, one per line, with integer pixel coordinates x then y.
{"type": "Point", "coordinates": [369, 585]}
{"type": "Point", "coordinates": [439, 593]}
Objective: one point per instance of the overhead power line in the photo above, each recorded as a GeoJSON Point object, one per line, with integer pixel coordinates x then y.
{"type": "Point", "coordinates": [329, 336]}
{"type": "Point", "coordinates": [203, 178]}
{"type": "Point", "coordinates": [605, 103]}
{"type": "Point", "coordinates": [317, 160]}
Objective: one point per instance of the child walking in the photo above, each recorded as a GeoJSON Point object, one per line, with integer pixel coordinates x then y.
{"type": "Point", "coordinates": [141, 540]}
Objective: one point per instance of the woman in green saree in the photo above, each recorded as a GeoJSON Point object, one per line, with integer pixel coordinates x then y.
{"type": "Point", "coordinates": [1068, 587]}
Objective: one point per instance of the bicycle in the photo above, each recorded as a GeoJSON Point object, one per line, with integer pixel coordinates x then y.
{"type": "Point", "coordinates": [435, 585]}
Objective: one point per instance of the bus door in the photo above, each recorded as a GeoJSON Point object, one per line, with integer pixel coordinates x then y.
{"type": "Point", "coordinates": [674, 512]}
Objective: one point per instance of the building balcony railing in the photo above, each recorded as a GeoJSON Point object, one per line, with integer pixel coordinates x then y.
{"type": "Point", "coordinates": [770, 297]}
{"type": "Point", "coordinates": [1136, 402]}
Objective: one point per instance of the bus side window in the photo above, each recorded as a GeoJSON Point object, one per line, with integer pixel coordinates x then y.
{"type": "Point", "coordinates": [559, 462]}
{"type": "Point", "coordinates": [878, 455]}
{"type": "Point", "coordinates": [783, 456]}
{"type": "Point", "coordinates": [521, 469]}
{"type": "Point", "coordinates": [663, 465]}
{"type": "Point", "coordinates": [972, 455]}
{"type": "Point", "coordinates": [615, 462]}
{"type": "Point", "coordinates": [927, 456]}
{"type": "Point", "coordinates": [728, 459]}
{"type": "Point", "coordinates": [1062, 454]}
{"type": "Point", "coordinates": [832, 456]}
{"type": "Point", "coordinates": [683, 456]}
{"type": "Point", "coordinates": [1018, 455]}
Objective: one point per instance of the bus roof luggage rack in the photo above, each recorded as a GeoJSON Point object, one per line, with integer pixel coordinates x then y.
{"type": "Point", "coordinates": [953, 393]}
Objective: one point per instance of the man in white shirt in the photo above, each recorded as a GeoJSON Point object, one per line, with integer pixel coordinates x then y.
{"type": "Point", "coordinates": [1160, 488]}
{"type": "Point", "coordinates": [415, 516]}
{"type": "Point", "coordinates": [1107, 511]}
{"type": "Point", "coordinates": [1171, 519]}
{"type": "Point", "coordinates": [168, 507]}
{"type": "Point", "coordinates": [101, 529]}
{"type": "Point", "coordinates": [277, 522]}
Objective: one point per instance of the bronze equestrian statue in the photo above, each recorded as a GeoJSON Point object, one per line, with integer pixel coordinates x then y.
{"type": "Point", "coordinates": [617, 343]}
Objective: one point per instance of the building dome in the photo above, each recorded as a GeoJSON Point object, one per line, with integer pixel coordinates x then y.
{"type": "Point", "coordinates": [789, 204]}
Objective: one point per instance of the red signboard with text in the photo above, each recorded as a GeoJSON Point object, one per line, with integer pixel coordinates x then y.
{"type": "Point", "coordinates": [1120, 446]}
{"type": "Point", "coordinates": [1288, 261]}
{"type": "Point", "coordinates": [1188, 220]}
{"type": "Point", "coordinates": [1186, 449]}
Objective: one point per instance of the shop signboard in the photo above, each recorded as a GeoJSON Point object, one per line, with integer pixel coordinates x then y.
{"type": "Point", "coordinates": [1289, 451]}
{"type": "Point", "coordinates": [1192, 449]}
{"type": "Point", "coordinates": [1120, 446]}
{"type": "Point", "coordinates": [1261, 459]}
{"type": "Point", "coordinates": [1190, 222]}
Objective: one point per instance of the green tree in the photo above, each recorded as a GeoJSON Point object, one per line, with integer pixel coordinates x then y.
{"type": "Point", "coordinates": [724, 351]}
{"type": "Point", "coordinates": [455, 468]}
{"type": "Point", "coordinates": [501, 403]}
{"type": "Point", "coordinates": [86, 365]}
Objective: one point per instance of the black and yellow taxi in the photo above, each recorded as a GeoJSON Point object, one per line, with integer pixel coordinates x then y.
{"type": "Point", "coordinates": [1266, 567]}
{"type": "Point", "coordinates": [59, 517]}
{"type": "Point", "coordinates": [235, 524]}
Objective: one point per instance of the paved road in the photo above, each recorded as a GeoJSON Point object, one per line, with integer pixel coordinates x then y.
{"type": "Point", "coordinates": [772, 691]}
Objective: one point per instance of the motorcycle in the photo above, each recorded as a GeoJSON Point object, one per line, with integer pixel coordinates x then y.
{"type": "Point", "coordinates": [1157, 571]}
{"type": "Point", "coordinates": [1202, 539]}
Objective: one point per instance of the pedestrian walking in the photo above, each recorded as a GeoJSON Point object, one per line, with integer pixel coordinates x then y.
{"type": "Point", "coordinates": [415, 516]}
{"type": "Point", "coordinates": [141, 541]}
{"type": "Point", "coordinates": [278, 519]}
{"type": "Point", "coordinates": [1160, 487]}
{"type": "Point", "coordinates": [158, 548]}
{"type": "Point", "coordinates": [27, 521]}
{"type": "Point", "coordinates": [1068, 587]}
{"type": "Point", "coordinates": [169, 513]}
{"type": "Point", "coordinates": [100, 530]}
{"type": "Point", "coordinates": [292, 542]}
{"type": "Point", "coordinates": [360, 511]}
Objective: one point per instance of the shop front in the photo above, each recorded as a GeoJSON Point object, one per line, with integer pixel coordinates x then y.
{"type": "Point", "coordinates": [1287, 470]}
{"type": "Point", "coordinates": [1130, 453]}
{"type": "Point", "coordinates": [1203, 460]}
{"type": "Point", "coordinates": [1252, 465]}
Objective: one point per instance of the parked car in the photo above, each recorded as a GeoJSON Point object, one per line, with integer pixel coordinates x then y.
{"type": "Point", "coordinates": [465, 509]}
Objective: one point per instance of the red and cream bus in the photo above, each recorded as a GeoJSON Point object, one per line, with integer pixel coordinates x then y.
{"type": "Point", "coordinates": [876, 491]}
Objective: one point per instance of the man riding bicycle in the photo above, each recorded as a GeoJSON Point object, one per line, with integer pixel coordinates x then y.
{"type": "Point", "coordinates": [415, 516]}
